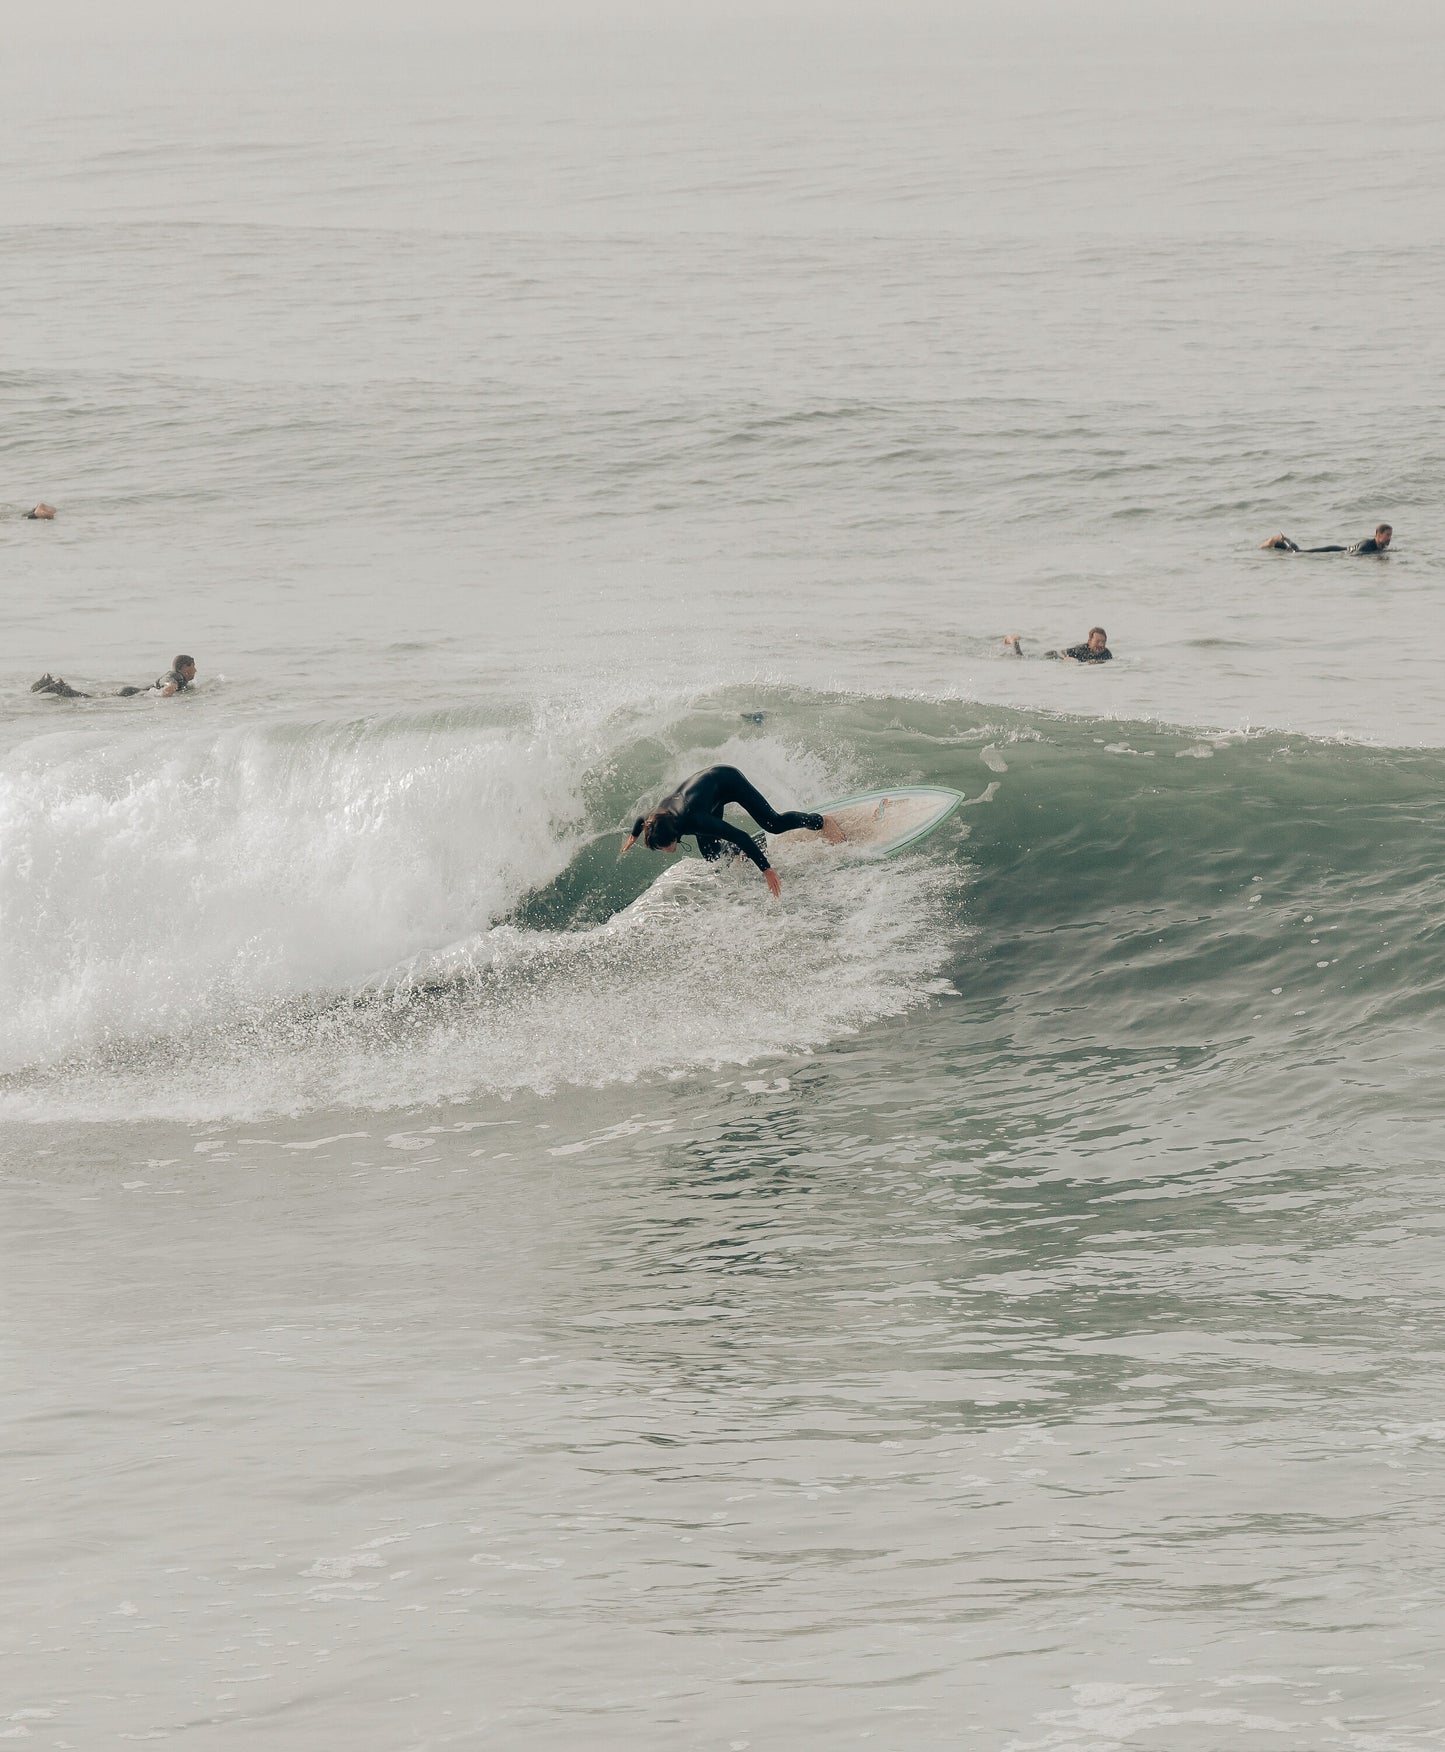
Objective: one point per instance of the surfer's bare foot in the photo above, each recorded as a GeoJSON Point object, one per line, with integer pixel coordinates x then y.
{"type": "Point", "coordinates": [832, 832]}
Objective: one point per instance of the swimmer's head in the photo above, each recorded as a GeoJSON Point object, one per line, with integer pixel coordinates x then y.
{"type": "Point", "coordinates": [185, 667]}
{"type": "Point", "coordinates": [1098, 638]}
{"type": "Point", "coordinates": [1383, 532]}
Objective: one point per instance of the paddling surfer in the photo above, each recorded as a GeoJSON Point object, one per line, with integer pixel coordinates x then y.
{"type": "Point", "coordinates": [1372, 544]}
{"type": "Point", "coordinates": [696, 807]}
{"type": "Point", "coordinates": [1095, 649]}
{"type": "Point", "coordinates": [177, 679]}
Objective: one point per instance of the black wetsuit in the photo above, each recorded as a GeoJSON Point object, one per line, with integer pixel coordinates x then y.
{"type": "Point", "coordinates": [1368, 546]}
{"type": "Point", "coordinates": [698, 805]}
{"type": "Point", "coordinates": [1083, 654]}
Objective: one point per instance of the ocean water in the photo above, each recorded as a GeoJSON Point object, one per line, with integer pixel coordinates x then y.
{"type": "Point", "coordinates": [455, 1295]}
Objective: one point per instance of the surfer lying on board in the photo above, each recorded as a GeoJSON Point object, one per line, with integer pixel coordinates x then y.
{"type": "Point", "coordinates": [177, 679]}
{"type": "Point", "coordinates": [1095, 648]}
{"type": "Point", "coordinates": [696, 807]}
{"type": "Point", "coordinates": [1372, 544]}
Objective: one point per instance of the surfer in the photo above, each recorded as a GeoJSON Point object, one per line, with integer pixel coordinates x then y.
{"type": "Point", "coordinates": [177, 679]}
{"type": "Point", "coordinates": [42, 513]}
{"type": "Point", "coordinates": [1095, 648]}
{"type": "Point", "coordinates": [1372, 544]}
{"type": "Point", "coordinates": [696, 807]}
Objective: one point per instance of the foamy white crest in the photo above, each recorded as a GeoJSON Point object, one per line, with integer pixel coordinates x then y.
{"type": "Point", "coordinates": [704, 971]}
{"type": "Point", "coordinates": [148, 885]}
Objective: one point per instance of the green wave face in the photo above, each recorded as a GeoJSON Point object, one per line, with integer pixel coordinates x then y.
{"type": "Point", "coordinates": [1102, 832]}
{"type": "Point", "coordinates": [1130, 883]}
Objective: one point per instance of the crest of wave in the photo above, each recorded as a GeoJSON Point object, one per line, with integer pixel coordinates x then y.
{"type": "Point", "coordinates": [152, 887]}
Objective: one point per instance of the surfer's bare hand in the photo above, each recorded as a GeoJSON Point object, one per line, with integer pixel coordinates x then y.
{"type": "Point", "coordinates": [832, 832]}
{"type": "Point", "coordinates": [775, 883]}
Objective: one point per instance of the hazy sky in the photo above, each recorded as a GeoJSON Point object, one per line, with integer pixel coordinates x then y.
{"type": "Point", "coordinates": [23, 23]}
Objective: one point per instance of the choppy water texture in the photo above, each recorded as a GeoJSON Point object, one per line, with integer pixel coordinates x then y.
{"type": "Point", "coordinates": [459, 1295]}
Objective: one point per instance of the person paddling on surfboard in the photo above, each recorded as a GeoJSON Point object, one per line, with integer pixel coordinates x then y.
{"type": "Point", "coordinates": [1095, 649]}
{"type": "Point", "coordinates": [696, 807]}
{"type": "Point", "coordinates": [1372, 544]}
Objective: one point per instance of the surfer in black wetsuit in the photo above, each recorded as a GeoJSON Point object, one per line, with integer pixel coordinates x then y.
{"type": "Point", "coordinates": [177, 679]}
{"type": "Point", "coordinates": [697, 808]}
{"type": "Point", "coordinates": [1095, 648]}
{"type": "Point", "coordinates": [1372, 544]}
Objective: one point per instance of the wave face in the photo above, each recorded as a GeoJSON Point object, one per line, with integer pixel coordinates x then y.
{"type": "Point", "coordinates": [426, 908]}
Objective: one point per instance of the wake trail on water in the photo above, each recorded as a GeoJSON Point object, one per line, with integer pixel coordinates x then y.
{"type": "Point", "coordinates": [426, 908]}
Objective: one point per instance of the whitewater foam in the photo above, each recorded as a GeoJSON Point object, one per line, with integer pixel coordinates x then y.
{"type": "Point", "coordinates": [312, 916]}
{"type": "Point", "coordinates": [151, 884]}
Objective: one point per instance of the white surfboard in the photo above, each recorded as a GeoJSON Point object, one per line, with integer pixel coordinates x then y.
{"type": "Point", "coordinates": [880, 823]}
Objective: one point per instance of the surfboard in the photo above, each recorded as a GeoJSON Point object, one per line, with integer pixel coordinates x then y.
{"type": "Point", "coordinates": [880, 823]}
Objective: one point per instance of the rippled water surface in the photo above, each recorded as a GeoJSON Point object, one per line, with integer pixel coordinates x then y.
{"type": "Point", "coordinates": [458, 1295]}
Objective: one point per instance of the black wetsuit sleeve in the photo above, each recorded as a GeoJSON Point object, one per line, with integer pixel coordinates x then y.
{"type": "Point", "coordinates": [712, 828]}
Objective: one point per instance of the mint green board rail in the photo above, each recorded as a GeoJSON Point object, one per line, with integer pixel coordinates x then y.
{"type": "Point", "coordinates": [880, 823]}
